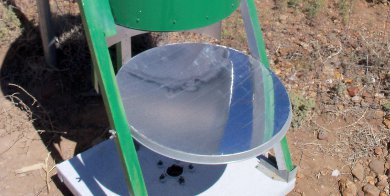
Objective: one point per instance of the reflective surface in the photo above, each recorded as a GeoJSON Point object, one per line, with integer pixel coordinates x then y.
{"type": "Point", "coordinates": [203, 103]}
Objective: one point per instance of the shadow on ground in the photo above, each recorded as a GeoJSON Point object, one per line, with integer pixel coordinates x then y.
{"type": "Point", "coordinates": [62, 99]}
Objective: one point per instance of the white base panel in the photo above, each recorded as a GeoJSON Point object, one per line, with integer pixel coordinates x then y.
{"type": "Point", "coordinates": [98, 171]}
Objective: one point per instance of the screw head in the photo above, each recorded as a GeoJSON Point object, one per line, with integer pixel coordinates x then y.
{"type": "Point", "coordinates": [162, 178]}
{"type": "Point", "coordinates": [181, 180]}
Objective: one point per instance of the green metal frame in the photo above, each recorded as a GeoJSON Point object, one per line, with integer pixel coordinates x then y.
{"type": "Point", "coordinates": [170, 15]}
{"type": "Point", "coordinates": [99, 24]}
{"type": "Point", "coordinates": [262, 55]}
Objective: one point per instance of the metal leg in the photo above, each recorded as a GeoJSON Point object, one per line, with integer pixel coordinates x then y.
{"type": "Point", "coordinates": [257, 49]}
{"type": "Point", "coordinates": [122, 42]}
{"type": "Point", "coordinates": [123, 53]}
{"type": "Point", "coordinates": [98, 25]}
{"type": "Point", "coordinates": [47, 35]}
{"type": "Point", "coordinates": [123, 33]}
{"type": "Point", "coordinates": [95, 80]}
{"type": "Point", "coordinates": [253, 30]}
{"type": "Point", "coordinates": [283, 157]}
{"type": "Point", "coordinates": [213, 30]}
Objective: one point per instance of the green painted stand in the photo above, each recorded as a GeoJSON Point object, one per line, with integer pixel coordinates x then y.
{"type": "Point", "coordinates": [100, 18]}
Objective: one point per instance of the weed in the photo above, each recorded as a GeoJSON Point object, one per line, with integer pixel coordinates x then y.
{"type": "Point", "coordinates": [313, 7]}
{"type": "Point", "coordinates": [9, 24]}
{"type": "Point", "coordinates": [301, 107]}
{"type": "Point", "coordinates": [293, 3]}
{"type": "Point", "coordinates": [345, 9]}
{"type": "Point", "coordinates": [386, 107]}
{"type": "Point", "coordinates": [281, 4]}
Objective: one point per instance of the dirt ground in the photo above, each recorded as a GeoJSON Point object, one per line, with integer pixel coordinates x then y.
{"type": "Point", "coordinates": [332, 55]}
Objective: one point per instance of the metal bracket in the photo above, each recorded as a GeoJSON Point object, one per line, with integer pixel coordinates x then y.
{"type": "Point", "coordinates": [112, 133]}
{"type": "Point", "coordinates": [268, 166]}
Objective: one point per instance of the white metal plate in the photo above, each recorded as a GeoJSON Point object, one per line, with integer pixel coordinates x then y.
{"type": "Point", "coordinates": [98, 171]}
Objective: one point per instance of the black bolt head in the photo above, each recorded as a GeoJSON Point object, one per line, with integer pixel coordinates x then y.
{"type": "Point", "coordinates": [181, 180]}
{"type": "Point", "coordinates": [162, 177]}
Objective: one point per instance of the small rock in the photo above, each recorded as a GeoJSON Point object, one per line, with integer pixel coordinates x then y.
{"type": "Point", "coordinates": [379, 114]}
{"type": "Point", "coordinates": [283, 51]}
{"type": "Point", "coordinates": [371, 190]}
{"type": "Point", "coordinates": [379, 95]}
{"type": "Point", "coordinates": [338, 75]}
{"type": "Point", "coordinates": [370, 180]}
{"type": "Point", "coordinates": [383, 194]}
{"type": "Point", "coordinates": [322, 135]}
{"type": "Point", "coordinates": [348, 80]}
{"type": "Point", "coordinates": [300, 174]}
{"type": "Point", "coordinates": [369, 100]}
{"type": "Point", "coordinates": [385, 152]}
{"type": "Point", "coordinates": [372, 173]}
{"type": "Point", "coordinates": [382, 184]}
{"type": "Point", "coordinates": [360, 193]}
{"type": "Point", "coordinates": [340, 107]}
{"type": "Point", "coordinates": [386, 122]}
{"type": "Point", "coordinates": [364, 104]}
{"type": "Point", "coordinates": [366, 95]}
{"type": "Point", "coordinates": [282, 19]}
{"type": "Point", "coordinates": [358, 171]}
{"type": "Point", "coordinates": [304, 45]}
{"type": "Point", "coordinates": [377, 166]}
{"type": "Point", "coordinates": [352, 91]}
{"type": "Point", "coordinates": [336, 173]}
{"type": "Point", "coordinates": [382, 177]}
{"type": "Point", "coordinates": [277, 71]}
{"type": "Point", "coordinates": [378, 150]}
{"type": "Point", "coordinates": [356, 99]}
{"type": "Point", "coordinates": [347, 188]}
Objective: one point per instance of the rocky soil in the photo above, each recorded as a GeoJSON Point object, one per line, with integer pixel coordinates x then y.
{"type": "Point", "coordinates": [332, 55]}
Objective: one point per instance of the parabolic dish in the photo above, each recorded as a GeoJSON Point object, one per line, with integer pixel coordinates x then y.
{"type": "Point", "coordinates": [203, 103]}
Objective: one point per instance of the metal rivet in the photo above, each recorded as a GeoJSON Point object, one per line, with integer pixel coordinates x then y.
{"type": "Point", "coordinates": [162, 178]}
{"type": "Point", "coordinates": [160, 163]}
{"type": "Point", "coordinates": [181, 180]}
{"type": "Point", "coordinates": [191, 168]}
{"type": "Point", "coordinates": [174, 21]}
{"type": "Point", "coordinates": [138, 20]}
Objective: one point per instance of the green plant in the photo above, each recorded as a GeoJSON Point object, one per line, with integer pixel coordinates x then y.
{"type": "Point", "coordinates": [293, 3]}
{"type": "Point", "coordinates": [313, 7]}
{"type": "Point", "coordinates": [301, 107]}
{"type": "Point", "coordinates": [281, 4]}
{"type": "Point", "coordinates": [344, 9]}
{"type": "Point", "coordinates": [9, 24]}
{"type": "Point", "coordinates": [386, 107]}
